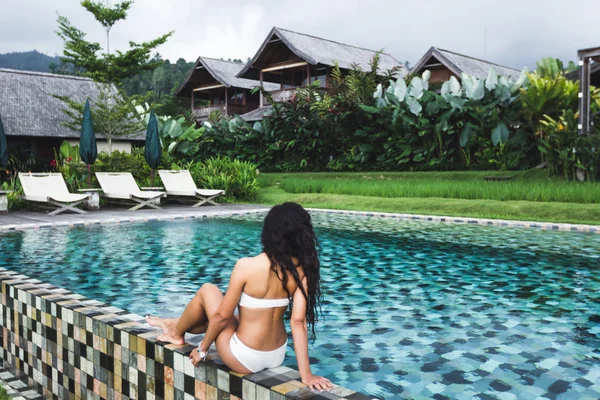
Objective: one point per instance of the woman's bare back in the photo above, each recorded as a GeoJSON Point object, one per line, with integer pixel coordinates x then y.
{"type": "Point", "coordinates": [263, 328]}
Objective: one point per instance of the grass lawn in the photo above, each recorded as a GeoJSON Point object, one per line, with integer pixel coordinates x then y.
{"type": "Point", "coordinates": [528, 196]}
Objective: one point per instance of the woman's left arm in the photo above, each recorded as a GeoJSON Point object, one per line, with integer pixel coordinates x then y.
{"type": "Point", "coordinates": [221, 317]}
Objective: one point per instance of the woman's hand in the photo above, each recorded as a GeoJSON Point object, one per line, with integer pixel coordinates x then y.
{"type": "Point", "coordinates": [319, 383]}
{"type": "Point", "coordinates": [195, 357]}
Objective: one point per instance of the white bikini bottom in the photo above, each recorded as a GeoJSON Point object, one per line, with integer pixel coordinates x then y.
{"type": "Point", "coordinates": [256, 360]}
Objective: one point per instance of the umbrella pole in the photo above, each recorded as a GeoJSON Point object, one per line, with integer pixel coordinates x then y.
{"type": "Point", "coordinates": [89, 176]}
{"type": "Point", "coordinates": [152, 176]}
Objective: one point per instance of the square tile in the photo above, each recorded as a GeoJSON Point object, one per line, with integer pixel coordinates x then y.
{"type": "Point", "coordinates": [223, 380]}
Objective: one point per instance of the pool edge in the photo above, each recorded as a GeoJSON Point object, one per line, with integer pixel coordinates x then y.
{"type": "Point", "coordinates": [70, 345]}
{"type": "Point", "coordinates": [551, 226]}
{"type": "Point", "coordinates": [468, 220]}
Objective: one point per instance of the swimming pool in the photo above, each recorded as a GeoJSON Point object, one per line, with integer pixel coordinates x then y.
{"type": "Point", "coordinates": [412, 309]}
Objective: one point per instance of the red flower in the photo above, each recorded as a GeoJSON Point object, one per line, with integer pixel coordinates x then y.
{"type": "Point", "coordinates": [69, 159]}
{"type": "Point", "coordinates": [53, 163]}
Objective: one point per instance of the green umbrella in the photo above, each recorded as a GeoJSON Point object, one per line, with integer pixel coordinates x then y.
{"type": "Point", "coordinates": [87, 141]}
{"type": "Point", "coordinates": [3, 146]}
{"type": "Point", "coordinates": [153, 150]}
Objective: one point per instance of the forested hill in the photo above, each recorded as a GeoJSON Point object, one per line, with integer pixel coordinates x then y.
{"type": "Point", "coordinates": [27, 61]}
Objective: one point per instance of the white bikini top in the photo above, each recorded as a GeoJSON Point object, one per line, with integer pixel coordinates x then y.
{"type": "Point", "coordinates": [253, 302]}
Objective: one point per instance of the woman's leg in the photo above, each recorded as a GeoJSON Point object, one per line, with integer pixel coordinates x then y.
{"type": "Point", "coordinates": [166, 324]}
{"type": "Point", "coordinates": [194, 318]}
{"type": "Point", "coordinates": [163, 323]}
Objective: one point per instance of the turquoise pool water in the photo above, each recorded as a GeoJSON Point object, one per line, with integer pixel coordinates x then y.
{"type": "Point", "coordinates": [412, 309]}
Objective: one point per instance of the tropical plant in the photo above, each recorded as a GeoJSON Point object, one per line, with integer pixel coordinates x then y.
{"type": "Point", "coordinates": [179, 136]}
{"type": "Point", "coordinates": [548, 94]}
{"type": "Point", "coordinates": [67, 161]}
{"type": "Point", "coordinates": [21, 158]}
{"type": "Point", "coordinates": [569, 154]}
{"type": "Point", "coordinates": [13, 186]}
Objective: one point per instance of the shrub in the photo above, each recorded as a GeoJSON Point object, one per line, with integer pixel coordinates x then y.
{"type": "Point", "coordinates": [13, 185]}
{"type": "Point", "coordinates": [123, 162]}
{"type": "Point", "coordinates": [237, 178]}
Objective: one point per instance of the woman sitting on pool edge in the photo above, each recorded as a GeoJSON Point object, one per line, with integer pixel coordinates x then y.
{"type": "Point", "coordinates": [262, 286]}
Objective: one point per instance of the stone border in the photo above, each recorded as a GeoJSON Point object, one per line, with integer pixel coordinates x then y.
{"type": "Point", "coordinates": [413, 217]}
{"type": "Point", "coordinates": [467, 220]}
{"type": "Point", "coordinates": [70, 346]}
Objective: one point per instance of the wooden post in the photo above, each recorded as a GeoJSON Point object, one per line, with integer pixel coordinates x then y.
{"type": "Point", "coordinates": [307, 74]}
{"type": "Point", "coordinates": [226, 102]}
{"type": "Point", "coordinates": [261, 101]}
{"type": "Point", "coordinates": [584, 96]}
{"type": "Point", "coordinates": [193, 101]}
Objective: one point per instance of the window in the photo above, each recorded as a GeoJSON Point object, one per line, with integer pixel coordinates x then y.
{"type": "Point", "coordinates": [236, 96]}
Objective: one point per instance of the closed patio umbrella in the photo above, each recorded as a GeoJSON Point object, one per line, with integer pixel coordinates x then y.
{"type": "Point", "coordinates": [153, 150]}
{"type": "Point", "coordinates": [3, 145]}
{"type": "Point", "coordinates": [87, 141]}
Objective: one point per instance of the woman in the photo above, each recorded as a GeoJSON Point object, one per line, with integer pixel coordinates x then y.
{"type": "Point", "coordinates": [261, 288]}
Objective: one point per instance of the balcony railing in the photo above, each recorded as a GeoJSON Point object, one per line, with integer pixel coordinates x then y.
{"type": "Point", "coordinates": [232, 109]}
{"type": "Point", "coordinates": [288, 94]}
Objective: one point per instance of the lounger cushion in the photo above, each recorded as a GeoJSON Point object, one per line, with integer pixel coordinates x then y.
{"type": "Point", "coordinates": [148, 194]}
{"type": "Point", "coordinates": [181, 183]}
{"type": "Point", "coordinates": [121, 185]}
{"type": "Point", "coordinates": [62, 198]}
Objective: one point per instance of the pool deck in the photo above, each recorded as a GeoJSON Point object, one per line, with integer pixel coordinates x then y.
{"type": "Point", "coordinates": [36, 219]}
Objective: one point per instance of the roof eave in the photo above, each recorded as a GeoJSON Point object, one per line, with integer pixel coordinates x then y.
{"type": "Point", "coordinates": [200, 61]}
{"type": "Point", "coordinates": [273, 31]}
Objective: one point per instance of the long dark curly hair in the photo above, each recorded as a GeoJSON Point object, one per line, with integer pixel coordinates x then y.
{"type": "Point", "coordinates": [288, 233]}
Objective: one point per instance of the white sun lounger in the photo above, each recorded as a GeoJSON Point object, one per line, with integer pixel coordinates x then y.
{"type": "Point", "coordinates": [179, 183]}
{"type": "Point", "coordinates": [121, 187]}
{"type": "Point", "coordinates": [51, 190]}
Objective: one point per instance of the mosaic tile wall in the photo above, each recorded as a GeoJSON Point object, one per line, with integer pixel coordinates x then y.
{"type": "Point", "coordinates": [71, 347]}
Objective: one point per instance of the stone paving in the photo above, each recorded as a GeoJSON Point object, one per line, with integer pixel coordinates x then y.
{"type": "Point", "coordinates": [106, 215]}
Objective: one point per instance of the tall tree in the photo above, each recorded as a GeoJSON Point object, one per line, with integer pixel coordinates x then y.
{"type": "Point", "coordinates": [88, 56]}
{"type": "Point", "coordinates": [113, 111]}
{"type": "Point", "coordinates": [107, 16]}
{"type": "Point", "coordinates": [113, 114]}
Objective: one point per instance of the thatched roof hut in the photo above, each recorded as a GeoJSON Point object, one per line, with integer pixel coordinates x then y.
{"type": "Point", "coordinates": [211, 70]}
{"type": "Point", "coordinates": [445, 63]}
{"type": "Point", "coordinates": [30, 111]}
{"type": "Point", "coordinates": [315, 51]}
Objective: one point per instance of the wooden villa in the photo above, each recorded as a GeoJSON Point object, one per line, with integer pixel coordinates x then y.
{"type": "Point", "coordinates": [443, 64]}
{"type": "Point", "coordinates": [212, 85]}
{"type": "Point", "coordinates": [291, 60]}
{"type": "Point", "coordinates": [33, 117]}
{"type": "Point", "coordinates": [589, 75]}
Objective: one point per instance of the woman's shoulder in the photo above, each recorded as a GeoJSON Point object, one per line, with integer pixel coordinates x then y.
{"type": "Point", "coordinates": [253, 262]}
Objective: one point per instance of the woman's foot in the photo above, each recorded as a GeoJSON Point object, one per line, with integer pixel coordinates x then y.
{"type": "Point", "coordinates": [166, 324]}
{"type": "Point", "coordinates": [168, 337]}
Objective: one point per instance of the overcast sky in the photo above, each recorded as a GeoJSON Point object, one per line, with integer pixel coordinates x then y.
{"type": "Point", "coordinates": [511, 32]}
